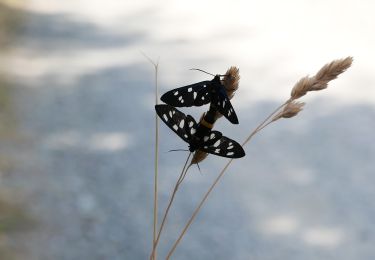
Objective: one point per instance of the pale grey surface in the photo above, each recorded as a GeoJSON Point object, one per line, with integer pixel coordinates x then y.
{"type": "Point", "coordinates": [305, 190]}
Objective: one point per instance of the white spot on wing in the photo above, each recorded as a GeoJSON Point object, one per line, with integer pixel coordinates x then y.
{"type": "Point", "coordinates": [182, 101]}
{"type": "Point", "coordinates": [230, 153]}
{"type": "Point", "coordinates": [190, 89]}
{"type": "Point", "coordinates": [185, 135]}
{"type": "Point", "coordinates": [230, 147]}
{"type": "Point", "coordinates": [195, 95]}
{"type": "Point", "coordinates": [191, 124]}
{"type": "Point", "coordinates": [212, 136]}
{"type": "Point", "coordinates": [217, 150]}
{"type": "Point", "coordinates": [205, 139]}
{"type": "Point", "coordinates": [165, 117]}
{"type": "Point", "coordinates": [175, 127]}
{"type": "Point", "coordinates": [182, 123]}
{"type": "Point", "coordinates": [217, 143]}
{"type": "Point", "coordinates": [175, 93]}
{"type": "Point", "coordinates": [230, 143]}
{"type": "Point", "coordinates": [170, 113]}
{"type": "Point", "coordinates": [180, 98]}
{"type": "Point", "coordinates": [202, 97]}
{"type": "Point", "coordinates": [192, 131]}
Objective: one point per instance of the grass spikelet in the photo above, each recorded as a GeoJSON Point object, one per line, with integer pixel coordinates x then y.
{"type": "Point", "coordinates": [330, 72]}
{"type": "Point", "coordinates": [198, 156]}
{"type": "Point", "coordinates": [301, 87]}
{"type": "Point", "coordinates": [320, 81]}
{"type": "Point", "coordinates": [231, 81]}
{"type": "Point", "coordinates": [290, 110]}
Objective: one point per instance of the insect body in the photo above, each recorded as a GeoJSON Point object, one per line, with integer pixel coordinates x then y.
{"type": "Point", "coordinates": [199, 136]}
{"type": "Point", "coordinates": [202, 93]}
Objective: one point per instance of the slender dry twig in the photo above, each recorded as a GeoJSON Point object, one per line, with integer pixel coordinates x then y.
{"type": "Point", "coordinates": [261, 126]}
{"type": "Point", "coordinates": [288, 109]}
{"type": "Point", "coordinates": [180, 179]}
{"type": "Point", "coordinates": [156, 159]}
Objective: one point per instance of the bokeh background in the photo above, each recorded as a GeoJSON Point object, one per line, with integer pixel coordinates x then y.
{"type": "Point", "coordinates": [77, 129]}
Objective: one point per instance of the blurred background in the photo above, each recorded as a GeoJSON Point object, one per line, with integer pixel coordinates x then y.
{"type": "Point", "coordinates": [77, 129]}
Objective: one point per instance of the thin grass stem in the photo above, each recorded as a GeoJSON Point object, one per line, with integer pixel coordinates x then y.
{"type": "Point", "coordinates": [180, 179]}
{"type": "Point", "coordinates": [156, 158]}
{"type": "Point", "coordinates": [261, 126]}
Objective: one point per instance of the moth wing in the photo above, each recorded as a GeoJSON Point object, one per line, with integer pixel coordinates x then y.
{"type": "Point", "coordinates": [211, 138]}
{"type": "Point", "coordinates": [191, 95]}
{"type": "Point", "coordinates": [224, 106]}
{"type": "Point", "coordinates": [184, 126]}
{"type": "Point", "coordinates": [225, 147]}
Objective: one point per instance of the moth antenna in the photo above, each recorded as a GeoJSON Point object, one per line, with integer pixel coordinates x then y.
{"type": "Point", "coordinates": [203, 71]}
{"type": "Point", "coordinates": [177, 150]}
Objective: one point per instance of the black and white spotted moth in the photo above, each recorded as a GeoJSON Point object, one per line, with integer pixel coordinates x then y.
{"type": "Point", "coordinates": [199, 136]}
{"type": "Point", "coordinates": [202, 93]}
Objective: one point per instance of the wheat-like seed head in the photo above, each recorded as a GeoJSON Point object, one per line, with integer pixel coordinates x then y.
{"type": "Point", "coordinates": [301, 87]}
{"type": "Point", "coordinates": [290, 110]}
{"type": "Point", "coordinates": [231, 81]}
{"type": "Point", "coordinates": [198, 156]}
{"type": "Point", "coordinates": [320, 81]}
{"type": "Point", "coordinates": [329, 72]}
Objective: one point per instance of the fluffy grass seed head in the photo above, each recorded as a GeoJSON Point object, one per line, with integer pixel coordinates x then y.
{"type": "Point", "coordinates": [320, 81]}
{"type": "Point", "coordinates": [330, 72]}
{"type": "Point", "coordinates": [290, 110]}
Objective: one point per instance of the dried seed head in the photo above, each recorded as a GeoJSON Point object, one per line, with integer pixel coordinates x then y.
{"type": "Point", "coordinates": [320, 81]}
{"type": "Point", "coordinates": [198, 156]}
{"type": "Point", "coordinates": [301, 87]}
{"type": "Point", "coordinates": [290, 110]}
{"type": "Point", "coordinates": [329, 72]}
{"type": "Point", "coordinates": [231, 82]}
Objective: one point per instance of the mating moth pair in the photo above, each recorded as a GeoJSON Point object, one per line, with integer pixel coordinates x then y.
{"type": "Point", "coordinates": [200, 136]}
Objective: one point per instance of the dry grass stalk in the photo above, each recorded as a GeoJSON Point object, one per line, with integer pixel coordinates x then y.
{"type": "Point", "coordinates": [287, 110]}
{"type": "Point", "coordinates": [156, 158]}
{"type": "Point", "coordinates": [320, 81]}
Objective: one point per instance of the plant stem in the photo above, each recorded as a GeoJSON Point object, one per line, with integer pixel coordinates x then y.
{"type": "Point", "coordinates": [261, 126]}
{"type": "Point", "coordinates": [180, 178]}
{"type": "Point", "coordinates": [156, 159]}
